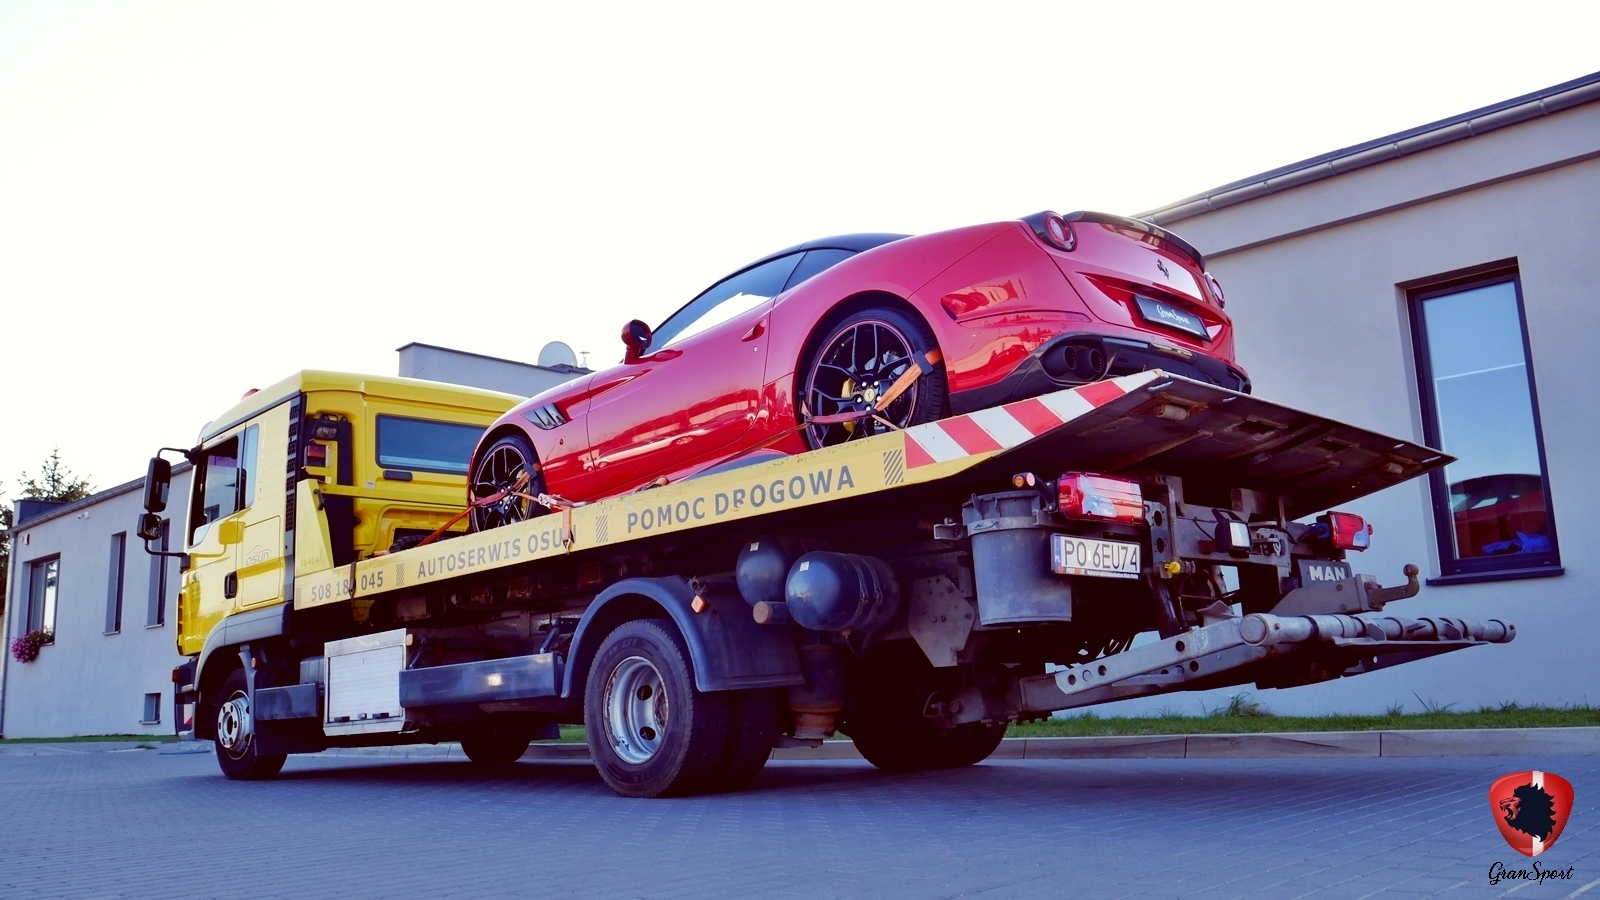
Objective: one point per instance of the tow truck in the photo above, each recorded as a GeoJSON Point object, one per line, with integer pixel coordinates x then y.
{"type": "Point", "coordinates": [916, 590]}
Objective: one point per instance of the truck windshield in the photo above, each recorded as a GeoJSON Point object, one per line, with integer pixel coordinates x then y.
{"type": "Point", "coordinates": [424, 445]}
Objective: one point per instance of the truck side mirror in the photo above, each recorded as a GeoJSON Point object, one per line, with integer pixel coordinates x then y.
{"type": "Point", "coordinates": [636, 337]}
{"type": "Point", "coordinates": [157, 484]}
{"type": "Point", "coordinates": [150, 526]}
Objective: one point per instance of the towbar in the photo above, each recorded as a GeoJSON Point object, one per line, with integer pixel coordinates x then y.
{"type": "Point", "coordinates": [1266, 630]}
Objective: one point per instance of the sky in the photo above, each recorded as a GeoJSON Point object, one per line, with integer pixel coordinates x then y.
{"type": "Point", "coordinates": [198, 198]}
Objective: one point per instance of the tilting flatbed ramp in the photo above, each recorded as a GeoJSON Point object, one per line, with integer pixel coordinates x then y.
{"type": "Point", "coordinates": [1147, 420]}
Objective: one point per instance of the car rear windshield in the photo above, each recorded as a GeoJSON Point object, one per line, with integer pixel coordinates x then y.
{"type": "Point", "coordinates": [425, 446]}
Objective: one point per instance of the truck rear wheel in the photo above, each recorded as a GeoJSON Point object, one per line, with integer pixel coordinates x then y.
{"type": "Point", "coordinates": [753, 723]}
{"type": "Point", "coordinates": [236, 734]}
{"type": "Point", "coordinates": [490, 748]}
{"type": "Point", "coordinates": [903, 746]}
{"type": "Point", "coordinates": [650, 731]}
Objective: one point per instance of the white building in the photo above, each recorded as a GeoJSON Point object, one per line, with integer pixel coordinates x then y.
{"type": "Point", "coordinates": [80, 571]}
{"type": "Point", "coordinates": [1443, 285]}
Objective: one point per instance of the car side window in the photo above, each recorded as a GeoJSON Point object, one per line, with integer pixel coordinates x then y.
{"type": "Point", "coordinates": [816, 262]}
{"type": "Point", "coordinates": [725, 300]}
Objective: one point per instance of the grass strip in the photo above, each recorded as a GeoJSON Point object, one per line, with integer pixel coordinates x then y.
{"type": "Point", "coordinates": [97, 738]}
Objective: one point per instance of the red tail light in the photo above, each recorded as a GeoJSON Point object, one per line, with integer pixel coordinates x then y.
{"type": "Point", "coordinates": [1349, 531]}
{"type": "Point", "coordinates": [1085, 496]}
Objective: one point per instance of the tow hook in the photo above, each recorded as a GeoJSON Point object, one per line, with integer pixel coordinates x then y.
{"type": "Point", "coordinates": [1377, 596]}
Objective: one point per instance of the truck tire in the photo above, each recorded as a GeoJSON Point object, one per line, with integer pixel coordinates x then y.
{"type": "Point", "coordinates": [650, 732]}
{"type": "Point", "coordinates": [903, 746]}
{"type": "Point", "coordinates": [490, 748]}
{"type": "Point", "coordinates": [753, 723]}
{"type": "Point", "coordinates": [236, 743]}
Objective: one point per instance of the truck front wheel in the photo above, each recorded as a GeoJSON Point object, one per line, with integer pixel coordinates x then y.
{"type": "Point", "coordinates": [650, 731]}
{"type": "Point", "coordinates": [236, 734]}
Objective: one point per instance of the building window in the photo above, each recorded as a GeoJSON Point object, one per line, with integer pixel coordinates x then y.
{"type": "Point", "coordinates": [1491, 506]}
{"type": "Point", "coordinates": [118, 567]}
{"type": "Point", "coordinates": [156, 612]}
{"type": "Point", "coordinates": [43, 582]}
{"type": "Point", "coordinates": [152, 710]}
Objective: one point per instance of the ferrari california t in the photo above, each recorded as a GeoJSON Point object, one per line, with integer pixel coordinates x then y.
{"type": "Point", "coordinates": [843, 337]}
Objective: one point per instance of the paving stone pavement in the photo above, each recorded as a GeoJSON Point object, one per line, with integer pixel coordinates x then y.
{"type": "Point", "coordinates": [112, 823]}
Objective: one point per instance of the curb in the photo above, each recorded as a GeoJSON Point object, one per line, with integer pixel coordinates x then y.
{"type": "Point", "coordinates": [1578, 741]}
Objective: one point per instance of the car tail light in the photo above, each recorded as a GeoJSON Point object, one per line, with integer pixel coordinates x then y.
{"type": "Point", "coordinates": [1349, 531]}
{"type": "Point", "coordinates": [1053, 230]}
{"type": "Point", "coordinates": [1085, 496]}
{"type": "Point", "coordinates": [1216, 288]}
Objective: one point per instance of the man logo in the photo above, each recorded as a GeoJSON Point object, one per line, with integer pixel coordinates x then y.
{"type": "Point", "coordinates": [1531, 808]}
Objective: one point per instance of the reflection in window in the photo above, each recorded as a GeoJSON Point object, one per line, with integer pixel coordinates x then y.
{"type": "Point", "coordinates": [424, 445]}
{"type": "Point", "coordinates": [43, 582]}
{"type": "Point", "coordinates": [1495, 509]}
{"type": "Point", "coordinates": [726, 300]}
{"type": "Point", "coordinates": [225, 486]}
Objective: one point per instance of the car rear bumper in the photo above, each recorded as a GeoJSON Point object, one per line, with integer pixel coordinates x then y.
{"type": "Point", "coordinates": [1069, 359]}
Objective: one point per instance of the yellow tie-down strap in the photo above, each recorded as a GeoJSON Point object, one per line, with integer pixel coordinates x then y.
{"type": "Point", "coordinates": [918, 455]}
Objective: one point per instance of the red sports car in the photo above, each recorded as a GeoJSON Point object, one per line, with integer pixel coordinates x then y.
{"type": "Point", "coordinates": [843, 337]}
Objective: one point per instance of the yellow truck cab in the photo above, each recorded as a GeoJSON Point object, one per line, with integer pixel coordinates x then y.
{"type": "Point", "coordinates": [318, 471]}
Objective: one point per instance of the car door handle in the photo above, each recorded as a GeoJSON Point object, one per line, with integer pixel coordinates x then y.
{"type": "Point", "coordinates": [230, 585]}
{"type": "Point", "coordinates": [756, 330]}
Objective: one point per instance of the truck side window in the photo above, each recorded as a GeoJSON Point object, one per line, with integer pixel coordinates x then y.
{"type": "Point", "coordinates": [223, 481]}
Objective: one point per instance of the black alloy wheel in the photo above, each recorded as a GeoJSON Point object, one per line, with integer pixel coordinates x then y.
{"type": "Point", "coordinates": [498, 471]}
{"type": "Point", "coordinates": [857, 363]}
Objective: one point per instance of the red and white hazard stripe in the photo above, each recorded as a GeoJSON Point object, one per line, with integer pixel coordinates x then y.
{"type": "Point", "coordinates": [1004, 427]}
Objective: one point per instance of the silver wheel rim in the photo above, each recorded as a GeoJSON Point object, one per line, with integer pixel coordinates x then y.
{"type": "Point", "coordinates": [636, 710]}
{"type": "Point", "coordinates": [235, 727]}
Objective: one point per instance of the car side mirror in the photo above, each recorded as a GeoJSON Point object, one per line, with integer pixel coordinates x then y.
{"type": "Point", "coordinates": [157, 484]}
{"type": "Point", "coordinates": [636, 337]}
{"type": "Point", "coordinates": [149, 526]}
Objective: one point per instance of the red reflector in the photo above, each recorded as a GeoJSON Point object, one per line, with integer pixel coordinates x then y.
{"type": "Point", "coordinates": [1349, 531]}
{"type": "Point", "coordinates": [1085, 496]}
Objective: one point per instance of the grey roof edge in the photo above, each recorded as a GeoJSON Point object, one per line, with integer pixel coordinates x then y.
{"type": "Point", "coordinates": [565, 369]}
{"type": "Point", "coordinates": [1424, 137]}
{"type": "Point", "coordinates": [92, 499]}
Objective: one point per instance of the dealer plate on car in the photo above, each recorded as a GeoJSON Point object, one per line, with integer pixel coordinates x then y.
{"type": "Point", "coordinates": [1156, 312]}
{"type": "Point", "coordinates": [1071, 555]}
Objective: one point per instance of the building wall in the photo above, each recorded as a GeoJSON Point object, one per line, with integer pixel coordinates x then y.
{"type": "Point", "coordinates": [89, 681]}
{"type": "Point", "coordinates": [1314, 279]}
{"type": "Point", "coordinates": [432, 363]}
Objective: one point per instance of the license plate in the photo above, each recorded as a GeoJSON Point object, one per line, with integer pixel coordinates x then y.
{"type": "Point", "coordinates": [1166, 314]}
{"type": "Point", "coordinates": [1091, 556]}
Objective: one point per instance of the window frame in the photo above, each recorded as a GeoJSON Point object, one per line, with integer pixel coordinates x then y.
{"type": "Point", "coordinates": [665, 335]}
{"type": "Point", "coordinates": [48, 608]}
{"type": "Point", "coordinates": [116, 580]}
{"type": "Point", "coordinates": [1454, 569]}
{"type": "Point", "coordinates": [156, 603]}
{"type": "Point", "coordinates": [377, 443]}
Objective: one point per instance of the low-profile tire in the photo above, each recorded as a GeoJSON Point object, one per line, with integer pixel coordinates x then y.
{"type": "Point", "coordinates": [236, 736]}
{"type": "Point", "coordinates": [494, 748]}
{"type": "Point", "coordinates": [497, 469]}
{"type": "Point", "coordinates": [856, 361]}
{"type": "Point", "coordinates": [650, 731]}
{"type": "Point", "coordinates": [754, 717]}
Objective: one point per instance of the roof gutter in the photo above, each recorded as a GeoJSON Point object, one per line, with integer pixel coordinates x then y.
{"type": "Point", "coordinates": [1424, 137]}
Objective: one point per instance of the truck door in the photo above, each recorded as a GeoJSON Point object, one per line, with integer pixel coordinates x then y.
{"type": "Point", "coordinates": [236, 520]}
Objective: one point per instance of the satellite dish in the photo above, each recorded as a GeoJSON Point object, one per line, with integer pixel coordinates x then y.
{"type": "Point", "coordinates": [556, 353]}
